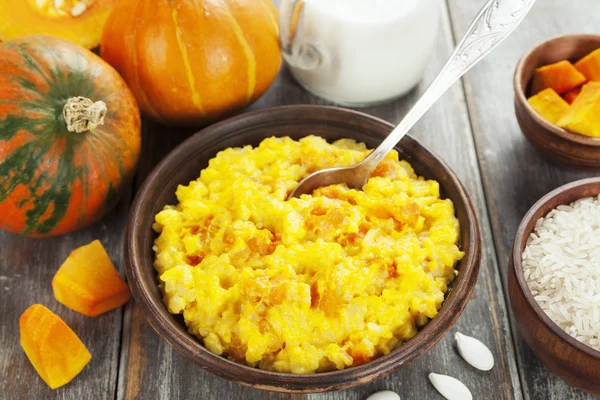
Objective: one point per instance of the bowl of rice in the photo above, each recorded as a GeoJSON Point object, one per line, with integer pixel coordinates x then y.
{"type": "Point", "coordinates": [325, 292]}
{"type": "Point", "coordinates": [554, 282]}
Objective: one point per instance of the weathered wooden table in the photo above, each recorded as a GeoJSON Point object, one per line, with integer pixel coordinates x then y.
{"type": "Point", "coordinates": [473, 128]}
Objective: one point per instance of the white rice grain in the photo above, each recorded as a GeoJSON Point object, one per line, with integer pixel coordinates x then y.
{"type": "Point", "coordinates": [561, 264]}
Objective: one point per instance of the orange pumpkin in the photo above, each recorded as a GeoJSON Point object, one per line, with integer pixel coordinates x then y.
{"type": "Point", "coordinates": [191, 62]}
{"type": "Point", "coordinates": [80, 21]}
{"type": "Point", "coordinates": [69, 136]}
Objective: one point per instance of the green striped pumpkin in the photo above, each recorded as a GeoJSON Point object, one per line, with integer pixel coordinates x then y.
{"type": "Point", "coordinates": [69, 136]}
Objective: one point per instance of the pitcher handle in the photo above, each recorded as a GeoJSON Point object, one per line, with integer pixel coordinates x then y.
{"type": "Point", "coordinates": [296, 51]}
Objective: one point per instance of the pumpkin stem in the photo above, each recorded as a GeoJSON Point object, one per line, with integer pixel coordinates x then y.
{"type": "Point", "coordinates": [82, 114]}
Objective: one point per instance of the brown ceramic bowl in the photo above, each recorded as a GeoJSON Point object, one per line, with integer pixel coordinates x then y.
{"type": "Point", "coordinates": [575, 362]}
{"type": "Point", "coordinates": [184, 164]}
{"type": "Point", "coordinates": [555, 143]}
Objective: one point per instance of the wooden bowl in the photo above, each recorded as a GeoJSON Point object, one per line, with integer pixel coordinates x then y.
{"type": "Point", "coordinates": [575, 362]}
{"type": "Point", "coordinates": [555, 143]}
{"type": "Point", "coordinates": [184, 164]}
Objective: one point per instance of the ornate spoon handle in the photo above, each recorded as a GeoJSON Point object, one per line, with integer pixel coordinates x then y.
{"type": "Point", "coordinates": [496, 20]}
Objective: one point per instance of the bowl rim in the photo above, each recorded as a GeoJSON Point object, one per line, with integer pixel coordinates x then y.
{"type": "Point", "coordinates": [521, 238]}
{"type": "Point", "coordinates": [194, 350]}
{"type": "Point", "coordinates": [522, 98]}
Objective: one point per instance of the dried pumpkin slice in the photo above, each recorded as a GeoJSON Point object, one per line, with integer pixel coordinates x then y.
{"type": "Point", "coordinates": [549, 105]}
{"type": "Point", "coordinates": [88, 282]}
{"type": "Point", "coordinates": [561, 76]}
{"type": "Point", "coordinates": [80, 21]}
{"type": "Point", "coordinates": [583, 116]}
{"type": "Point", "coordinates": [55, 351]}
{"type": "Point", "coordinates": [590, 66]}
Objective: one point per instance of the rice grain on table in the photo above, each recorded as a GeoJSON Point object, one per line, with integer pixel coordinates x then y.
{"type": "Point", "coordinates": [561, 264]}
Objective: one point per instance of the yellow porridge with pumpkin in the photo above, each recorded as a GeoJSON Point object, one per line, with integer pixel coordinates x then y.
{"type": "Point", "coordinates": [323, 282]}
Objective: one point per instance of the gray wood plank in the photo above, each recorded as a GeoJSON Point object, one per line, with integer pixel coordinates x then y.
{"type": "Point", "coordinates": [26, 270]}
{"type": "Point", "coordinates": [515, 175]}
{"type": "Point", "coordinates": [153, 370]}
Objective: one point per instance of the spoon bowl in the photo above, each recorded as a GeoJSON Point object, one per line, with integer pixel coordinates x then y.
{"type": "Point", "coordinates": [355, 176]}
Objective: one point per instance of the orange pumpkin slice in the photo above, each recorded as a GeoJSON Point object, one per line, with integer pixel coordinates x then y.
{"type": "Point", "coordinates": [549, 105]}
{"type": "Point", "coordinates": [80, 21]}
{"type": "Point", "coordinates": [561, 77]}
{"type": "Point", "coordinates": [88, 282]}
{"type": "Point", "coordinates": [590, 66]}
{"type": "Point", "coordinates": [583, 116]}
{"type": "Point", "coordinates": [55, 351]}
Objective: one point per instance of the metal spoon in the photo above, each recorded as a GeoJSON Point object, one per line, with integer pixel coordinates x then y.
{"type": "Point", "coordinates": [496, 20]}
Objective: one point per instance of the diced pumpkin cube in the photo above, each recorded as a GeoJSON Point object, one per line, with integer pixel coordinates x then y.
{"type": "Point", "coordinates": [88, 282]}
{"type": "Point", "coordinates": [584, 114]}
{"type": "Point", "coordinates": [571, 95]}
{"type": "Point", "coordinates": [549, 105]}
{"type": "Point", "coordinates": [589, 66]}
{"type": "Point", "coordinates": [561, 77]}
{"type": "Point", "coordinates": [55, 351]}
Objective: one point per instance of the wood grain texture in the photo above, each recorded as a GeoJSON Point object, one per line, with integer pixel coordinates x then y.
{"type": "Point", "coordinates": [515, 174]}
{"type": "Point", "coordinates": [26, 270]}
{"type": "Point", "coordinates": [155, 371]}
